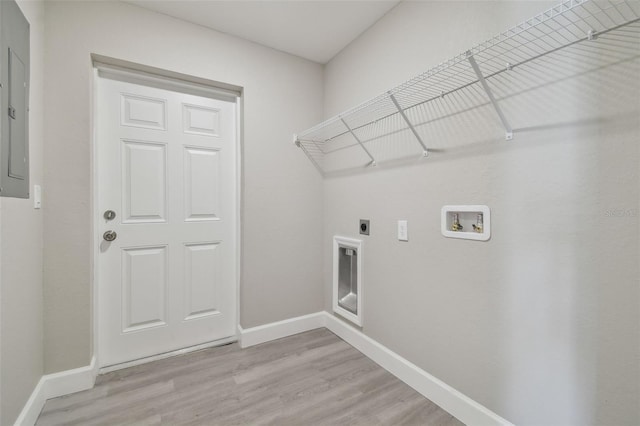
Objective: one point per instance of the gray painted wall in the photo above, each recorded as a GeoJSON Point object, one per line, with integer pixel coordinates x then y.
{"type": "Point", "coordinates": [282, 256]}
{"type": "Point", "coordinates": [540, 324]}
{"type": "Point", "coordinates": [21, 347]}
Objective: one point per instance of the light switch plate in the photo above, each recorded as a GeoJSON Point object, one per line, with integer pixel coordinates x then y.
{"type": "Point", "coordinates": [37, 196]}
{"type": "Point", "coordinates": [403, 230]}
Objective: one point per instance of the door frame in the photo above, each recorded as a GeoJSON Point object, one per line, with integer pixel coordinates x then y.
{"type": "Point", "coordinates": [169, 80]}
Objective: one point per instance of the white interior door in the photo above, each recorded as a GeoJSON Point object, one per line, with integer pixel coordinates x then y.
{"type": "Point", "coordinates": [167, 169]}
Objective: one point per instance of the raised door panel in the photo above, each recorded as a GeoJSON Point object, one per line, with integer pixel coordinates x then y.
{"type": "Point", "coordinates": [200, 120]}
{"type": "Point", "coordinates": [144, 288]}
{"type": "Point", "coordinates": [201, 191]}
{"type": "Point", "coordinates": [144, 191]}
{"type": "Point", "coordinates": [202, 267]}
{"type": "Point", "coordinates": [143, 112]}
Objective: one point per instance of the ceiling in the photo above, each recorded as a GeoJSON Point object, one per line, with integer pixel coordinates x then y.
{"type": "Point", "coordinates": [312, 29]}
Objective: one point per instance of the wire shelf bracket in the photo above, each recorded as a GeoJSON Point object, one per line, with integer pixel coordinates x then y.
{"type": "Point", "coordinates": [507, 127]}
{"type": "Point", "coordinates": [425, 152]}
{"type": "Point", "coordinates": [364, 148]}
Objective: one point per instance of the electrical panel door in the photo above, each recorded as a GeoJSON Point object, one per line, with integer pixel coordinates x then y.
{"type": "Point", "coordinates": [14, 94]}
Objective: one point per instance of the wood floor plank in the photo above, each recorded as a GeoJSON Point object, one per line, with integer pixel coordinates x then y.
{"type": "Point", "coordinates": [312, 378]}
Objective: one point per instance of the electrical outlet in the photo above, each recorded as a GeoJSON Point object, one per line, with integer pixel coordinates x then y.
{"type": "Point", "coordinates": [364, 226]}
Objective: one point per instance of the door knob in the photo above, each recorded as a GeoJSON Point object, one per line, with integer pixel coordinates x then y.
{"type": "Point", "coordinates": [109, 236]}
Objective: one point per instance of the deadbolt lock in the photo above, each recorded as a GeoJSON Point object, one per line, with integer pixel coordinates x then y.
{"type": "Point", "coordinates": [109, 236]}
{"type": "Point", "coordinates": [109, 215]}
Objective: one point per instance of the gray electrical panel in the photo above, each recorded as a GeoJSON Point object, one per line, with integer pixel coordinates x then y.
{"type": "Point", "coordinates": [14, 100]}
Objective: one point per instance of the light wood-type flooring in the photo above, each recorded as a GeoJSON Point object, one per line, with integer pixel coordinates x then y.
{"type": "Point", "coordinates": [313, 378]}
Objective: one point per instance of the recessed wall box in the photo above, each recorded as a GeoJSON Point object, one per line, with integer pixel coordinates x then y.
{"type": "Point", "coordinates": [14, 101]}
{"type": "Point", "coordinates": [469, 222]}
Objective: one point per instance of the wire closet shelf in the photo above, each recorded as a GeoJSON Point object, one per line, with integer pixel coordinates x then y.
{"type": "Point", "coordinates": [395, 112]}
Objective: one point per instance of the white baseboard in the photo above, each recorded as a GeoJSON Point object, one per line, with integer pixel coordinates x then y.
{"type": "Point", "coordinates": [71, 381]}
{"type": "Point", "coordinates": [33, 407]}
{"type": "Point", "coordinates": [454, 402]}
{"type": "Point", "coordinates": [277, 330]}
{"type": "Point", "coordinates": [55, 385]}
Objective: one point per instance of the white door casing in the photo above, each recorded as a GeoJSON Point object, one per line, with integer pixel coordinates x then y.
{"type": "Point", "coordinates": [166, 165]}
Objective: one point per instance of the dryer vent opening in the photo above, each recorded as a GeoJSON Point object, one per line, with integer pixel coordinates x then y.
{"type": "Point", "coordinates": [347, 278]}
